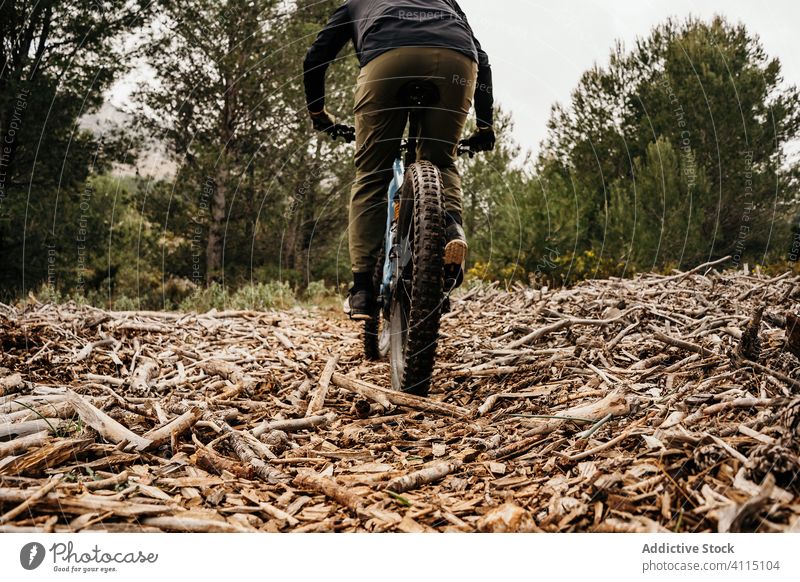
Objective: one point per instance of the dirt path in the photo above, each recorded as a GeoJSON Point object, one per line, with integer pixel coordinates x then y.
{"type": "Point", "coordinates": [611, 406]}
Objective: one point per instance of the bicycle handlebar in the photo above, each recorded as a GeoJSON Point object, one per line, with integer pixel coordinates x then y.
{"type": "Point", "coordinates": [348, 134]}
{"type": "Point", "coordinates": [466, 150]}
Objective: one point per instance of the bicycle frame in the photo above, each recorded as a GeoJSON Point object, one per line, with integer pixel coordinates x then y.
{"type": "Point", "coordinates": [389, 265]}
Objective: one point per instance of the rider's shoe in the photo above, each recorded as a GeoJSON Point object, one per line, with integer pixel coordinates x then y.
{"type": "Point", "coordinates": [455, 255]}
{"type": "Point", "coordinates": [360, 304]}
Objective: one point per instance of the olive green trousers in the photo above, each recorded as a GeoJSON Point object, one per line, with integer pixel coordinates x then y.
{"type": "Point", "coordinates": [380, 120]}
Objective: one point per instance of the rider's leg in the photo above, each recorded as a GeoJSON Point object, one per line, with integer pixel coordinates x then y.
{"type": "Point", "coordinates": [380, 122]}
{"type": "Point", "coordinates": [379, 127]}
{"type": "Point", "coordinates": [442, 127]}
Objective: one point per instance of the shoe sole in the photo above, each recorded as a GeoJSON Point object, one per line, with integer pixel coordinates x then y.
{"type": "Point", "coordinates": [455, 252]}
{"type": "Point", "coordinates": [355, 316]}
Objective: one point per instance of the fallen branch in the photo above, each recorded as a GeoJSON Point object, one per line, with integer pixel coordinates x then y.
{"type": "Point", "coordinates": [194, 525]}
{"type": "Point", "coordinates": [292, 425]}
{"type": "Point", "coordinates": [142, 376]}
{"type": "Point", "coordinates": [773, 373]}
{"type": "Point", "coordinates": [386, 397]}
{"type": "Point", "coordinates": [564, 323]}
{"type": "Point", "coordinates": [11, 384]}
{"type": "Point", "coordinates": [697, 269]}
{"type": "Point", "coordinates": [423, 476]}
{"type": "Point", "coordinates": [51, 484]}
{"type": "Point", "coordinates": [615, 404]}
{"type": "Point", "coordinates": [87, 349]}
{"type": "Point", "coordinates": [684, 345]}
{"type": "Point", "coordinates": [109, 428]}
{"type": "Point", "coordinates": [248, 457]}
{"type": "Point", "coordinates": [318, 400]}
{"type": "Point", "coordinates": [330, 488]}
{"type": "Point", "coordinates": [23, 443]}
{"type": "Point", "coordinates": [212, 462]}
{"type": "Point", "coordinates": [29, 427]}
{"type": "Point", "coordinates": [176, 427]}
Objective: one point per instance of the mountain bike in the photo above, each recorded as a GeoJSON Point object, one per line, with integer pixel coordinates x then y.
{"type": "Point", "coordinates": [412, 290]}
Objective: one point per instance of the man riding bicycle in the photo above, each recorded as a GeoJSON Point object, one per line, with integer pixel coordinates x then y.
{"type": "Point", "coordinates": [398, 41]}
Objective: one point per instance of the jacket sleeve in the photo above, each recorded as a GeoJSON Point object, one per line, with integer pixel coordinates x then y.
{"type": "Point", "coordinates": [323, 51]}
{"type": "Point", "coordinates": [484, 96]}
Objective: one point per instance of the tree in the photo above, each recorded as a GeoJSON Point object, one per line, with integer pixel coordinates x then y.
{"type": "Point", "coordinates": [56, 59]}
{"type": "Point", "coordinates": [706, 96]}
{"type": "Point", "coordinates": [228, 102]}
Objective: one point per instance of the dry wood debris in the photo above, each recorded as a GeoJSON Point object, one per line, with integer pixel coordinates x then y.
{"type": "Point", "coordinates": [654, 404]}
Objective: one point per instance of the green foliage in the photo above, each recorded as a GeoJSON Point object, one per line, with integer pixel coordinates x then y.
{"type": "Point", "coordinates": [669, 155]}
{"type": "Point", "coordinates": [657, 218]}
{"type": "Point", "coordinates": [56, 60]}
{"type": "Point", "coordinates": [677, 149]}
{"type": "Point", "coordinates": [272, 295]}
{"type": "Point", "coordinates": [255, 184]}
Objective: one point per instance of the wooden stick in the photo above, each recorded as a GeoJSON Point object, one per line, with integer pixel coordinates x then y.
{"type": "Point", "coordinates": [30, 427]}
{"type": "Point", "coordinates": [88, 502]}
{"type": "Point", "coordinates": [488, 404]}
{"type": "Point", "coordinates": [386, 397]}
{"type": "Point", "coordinates": [112, 481]}
{"type": "Point", "coordinates": [214, 463]}
{"type": "Point", "coordinates": [187, 524]}
{"type": "Point", "coordinates": [109, 428]}
{"type": "Point", "coordinates": [423, 476]}
{"type": "Point", "coordinates": [293, 424]}
{"type": "Point", "coordinates": [774, 373]}
{"type": "Point", "coordinates": [51, 484]}
{"type": "Point", "coordinates": [176, 426]}
{"type": "Point", "coordinates": [606, 445]}
{"type": "Point", "coordinates": [23, 443]}
{"type": "Point", "coordinates": [106, 483]}
{"type": "Point", "coordinates": [614, 404]}
{"type": "Point", "coordinates": [329, 488]}
{"type": "Point", "coordinates": [698, 268]}
{"type": "Point", "coordinates": [277, 513]}
{"type": "Point", "coordinates": [318, 400]}
{"type": "Point", "coordinates": [87, 349]}
{"type": "Point", "coordinates": [684, 345]}
{"type": "Point", "coordinates": [729, 405]}
{"type": "Point", "coordinates": [142, 375]}
{"type": "Point", "coordinates": [567, 322]}
{"type": "Point", "coordinates": [248, 457]}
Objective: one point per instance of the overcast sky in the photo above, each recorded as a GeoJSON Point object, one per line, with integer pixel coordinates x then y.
{"type": "Point", "coordinates": [539, 49]}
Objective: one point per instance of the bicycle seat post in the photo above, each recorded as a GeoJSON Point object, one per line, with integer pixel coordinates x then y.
{"type": "Point", "coordinates": [416, 95]}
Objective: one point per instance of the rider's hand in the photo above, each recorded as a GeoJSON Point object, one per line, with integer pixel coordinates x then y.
{"type": "Point", "coordinates": [482, 140]}
{"type": "Point", "coordinates": [322, 120]}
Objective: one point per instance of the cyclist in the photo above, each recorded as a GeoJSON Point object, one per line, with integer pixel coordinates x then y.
{"type": "Point", "coordinates": [397, 41]}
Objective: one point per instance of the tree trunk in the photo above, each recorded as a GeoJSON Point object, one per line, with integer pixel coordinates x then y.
{"type": "Point", "coordinates": [215, 229]}
{"type": "Point", "coordinates": [214, 251]}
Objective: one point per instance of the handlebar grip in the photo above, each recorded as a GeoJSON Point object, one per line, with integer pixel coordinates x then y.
{"type": "Point", "coordinates": [462, 150]}
{"type": "Point", "coordinates": [346, 132]}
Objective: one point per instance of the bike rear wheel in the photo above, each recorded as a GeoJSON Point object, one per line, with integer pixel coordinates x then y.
{"type": "Point", "coordinates": [415, 311]}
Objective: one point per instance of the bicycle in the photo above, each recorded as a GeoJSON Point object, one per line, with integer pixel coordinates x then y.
{"type": "Point", "coordinates": [409, 275]}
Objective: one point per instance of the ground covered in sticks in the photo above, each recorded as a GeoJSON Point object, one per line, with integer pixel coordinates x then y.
{"type": "Point", "coordinates": [664, 403]}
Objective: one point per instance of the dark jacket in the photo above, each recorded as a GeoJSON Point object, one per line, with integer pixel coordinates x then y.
{"type": "Point", "coordinates": [377, 26]}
